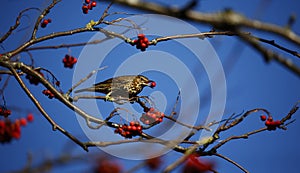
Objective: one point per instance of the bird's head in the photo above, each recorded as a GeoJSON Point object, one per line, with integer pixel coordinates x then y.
{"type": "Point", "coordinates": [147, 82]}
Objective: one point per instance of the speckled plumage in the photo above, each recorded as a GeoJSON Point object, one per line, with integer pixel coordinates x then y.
{"type": "Point", "coordinates": [124, 86]}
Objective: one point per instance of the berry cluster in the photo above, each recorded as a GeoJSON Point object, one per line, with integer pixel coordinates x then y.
{"type": "Point", "coordinates": [69, 61]}
{"type": "Point", "coordinates": [142, 42]}
{"type": "Point", "coordinates": [33, 80]}
{"type": "Point", "coordinates": [152, 116]}
{"type": "Point", "coordinates": [4, 112]}
{"type": "Point", "coordinates": [48, 93]}
{"type": "Point", "coordinates": [12, 130]}
{"type": "Point", "coordinates": [88, 5]}
{"type": "Point", "coordinates": [270, 123]}
{"type": "Point", "coordinates": [128, 131]}
{"type": "Point", "coordinates": [45, 22]}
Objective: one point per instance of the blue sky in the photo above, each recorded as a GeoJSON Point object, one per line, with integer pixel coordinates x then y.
{"type": "Point", "coordinates": [251, 83]}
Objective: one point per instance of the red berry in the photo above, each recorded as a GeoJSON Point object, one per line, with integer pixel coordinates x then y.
{"type": "Point", "coordinates": [7, 112]}
{"type": "Point", "coordinates": [151, 109]}
{"type": "Point", "coordinates": [85, 9]}
{"type": "Point", "coordinates": [90, 7]}
{"type": "Point", "coordinates": [154, 163]}
{"type": "Point", "coordinates": [94, 3]}
{"type": "Point", "coordinates": [16, 135]}
{"type": "Point", "coordinates": [145, 40]}
{"type": "Point", "coordinates": [139, 128]}
{"type": "Point", "coordinates": [129, 128]}
{"type": "Point", "coordinates": [270, 119]}
{"type": "Point", "coordinates": [57, 83]}
{"type": "Point", "coordinates": [16, 130]}
{"type": "Point", "coordinates": [45, 22]}
{"type": "Point", "coordinates": [160, 120]}
{"type": "Point", "coordinates": [133, 128]}
{"type": "Point", "coordinates": [123, 133]}
{"type": "Point", "coordinates": [116, 131]}
{"type": "Point", "coordinates": [69, 61]}
{"type": "Point", "coordinates": [87, 1]}
{"type": "Point", "coordinates": [29, 117]}
{"type": "Point", "coordinates": [153, 84]}
{"type": "Point", "coordinates": [49, 20]}
{"type": "Point", "coordinates": [23, 122]}
{"type": "Point", "coordinates": [141, 36]}
{"type": "Point", "coordinates": [17, 122]}
{"type": "Point", "coordinates": [268, 123]}
{"type": "Point", "coordinates": [2, 124]}
{"type": "Point", "coordinates": [144, 45]}
{"type": "Point", "coordinates": [132, 123]}
{"type": "Point", "coordinates": [153, 116]}
{"type": "Point", "coordinates": [263, 117]}
{"type": "Point", "coordinates": [74, 60]}
{"type": "Point", "coordinates": [276, 123]}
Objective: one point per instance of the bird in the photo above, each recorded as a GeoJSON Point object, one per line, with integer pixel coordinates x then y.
{"type": "Point", "coordinates": [127, 86]}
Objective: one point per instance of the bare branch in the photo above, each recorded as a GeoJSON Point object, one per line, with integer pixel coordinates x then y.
{"type": "Point", "coordinates": [17, 23]}
{"type": "Point", "coordinates": [226, 19]}
{"type": "Point", "coordinates": [44, 113]}
{"type": "Point", "coordinates": [244, 136]}
{"type": "Point", "coordinates": [231, 161]}
{"type": "Point", "coordinates": [66, 45]}
{"type": "Point", "coordinates": [270, 55]}
{"type": "Point", "coordinates": [273, 43]}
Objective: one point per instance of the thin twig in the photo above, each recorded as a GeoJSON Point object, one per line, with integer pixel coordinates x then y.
{"type": "Point", "coordinates": [244, 136]}
{"type": "Point", "coordinates": [84, 79]}
{"type": "Point", "coordinates": [231, 161]}
{"type": "Point", "coordinates": [273, 43]}
{"type": "Point", "coordinates": [66, 45]}
{"type": "Point", "coordinates": [17, 23]}
{"type": "Point", "coordinates": [270, 55]}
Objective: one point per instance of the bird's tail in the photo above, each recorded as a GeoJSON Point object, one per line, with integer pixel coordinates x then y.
{"type": "Point", "coordinates": [92, 89]}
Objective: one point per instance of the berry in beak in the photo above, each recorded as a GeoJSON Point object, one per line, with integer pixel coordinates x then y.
{"type": "Point", "coordinates": [152, 84]}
